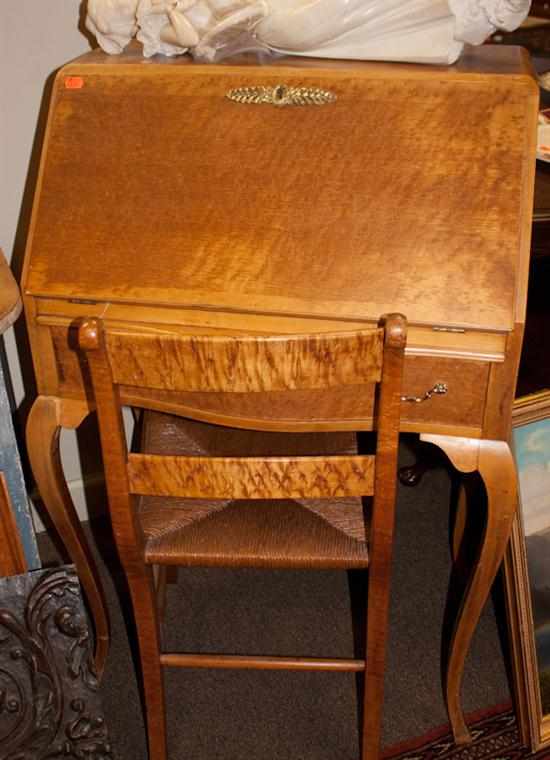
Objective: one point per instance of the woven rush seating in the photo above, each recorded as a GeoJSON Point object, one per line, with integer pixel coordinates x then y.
{"type": "Point", "coordinates": [286, 533]}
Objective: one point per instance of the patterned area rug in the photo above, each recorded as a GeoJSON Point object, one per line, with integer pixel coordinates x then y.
{"type": "Point", "coordinates": [495, 737]}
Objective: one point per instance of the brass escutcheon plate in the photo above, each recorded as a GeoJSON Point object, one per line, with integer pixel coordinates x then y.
{"type": "Point", "coordinates": [282, 95]}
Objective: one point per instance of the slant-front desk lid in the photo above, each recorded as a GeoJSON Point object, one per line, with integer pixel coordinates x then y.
{"type": "Point", "coordinates": [411, 191]}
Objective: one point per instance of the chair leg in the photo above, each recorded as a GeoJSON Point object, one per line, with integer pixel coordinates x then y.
{"type": "Point", "coordinates": [160, 579]}
{"type": "Point", "coordinates": [375, 665]}
{"type": "Point", "coordinates": [143, 594]}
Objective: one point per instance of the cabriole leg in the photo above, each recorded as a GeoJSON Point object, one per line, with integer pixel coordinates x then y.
{"type": "Point", "coordinates": [47, 417]}
{"type": "Point", "coordinates": [494, 462]}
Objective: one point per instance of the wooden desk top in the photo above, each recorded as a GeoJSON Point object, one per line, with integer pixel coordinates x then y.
{"type": "Point", "coordinates": [10, 300]}
{"type": "Point", "coordinates": [157, 189]}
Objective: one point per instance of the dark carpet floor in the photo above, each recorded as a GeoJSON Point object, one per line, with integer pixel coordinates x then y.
{"type": "Point", "coordinates": [310, 716]}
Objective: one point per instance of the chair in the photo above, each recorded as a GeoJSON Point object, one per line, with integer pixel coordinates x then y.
{"type": "Point", "coordinates": [156, 372]}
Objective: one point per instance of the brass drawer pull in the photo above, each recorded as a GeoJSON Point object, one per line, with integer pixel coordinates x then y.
{"type": "Point", "coordinates": [282, 95]}
{"type": "Point", "coordinates": [439, 389]}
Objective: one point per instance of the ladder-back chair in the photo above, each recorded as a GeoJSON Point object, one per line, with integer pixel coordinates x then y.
{"type": "Point", "coordinates": [155, 371]}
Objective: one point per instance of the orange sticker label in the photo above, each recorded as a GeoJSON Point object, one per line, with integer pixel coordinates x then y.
{"type": "Point", "coordinates": [74, 83]}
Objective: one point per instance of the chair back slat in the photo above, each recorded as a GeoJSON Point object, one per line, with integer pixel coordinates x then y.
{"type": "Point", "coordinates": [249, 364]}
{"type": "Point", "coordinates": [251, 478]}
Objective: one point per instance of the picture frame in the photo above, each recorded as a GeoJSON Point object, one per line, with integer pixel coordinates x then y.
{"type": "Point", "coordinates": [527, 568]}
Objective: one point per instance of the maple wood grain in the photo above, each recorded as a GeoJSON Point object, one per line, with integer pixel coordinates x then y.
{"type": "Point", "coordinates": [244, 364]}
{"type": "Point", "coordinates": [461, 411]}
{"type": "Point", "coordinates": [251, 478]}
{"type": "Point", "coordinates": [316, 194]}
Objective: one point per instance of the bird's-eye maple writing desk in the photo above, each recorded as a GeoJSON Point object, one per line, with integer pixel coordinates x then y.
{"type": "Point", "coordinates": [164, 202]}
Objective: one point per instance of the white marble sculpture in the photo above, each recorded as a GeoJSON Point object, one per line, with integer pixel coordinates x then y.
{"type": "Point", "coordinates": [426, 31]}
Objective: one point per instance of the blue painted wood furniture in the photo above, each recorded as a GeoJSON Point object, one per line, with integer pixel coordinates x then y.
{"type": "Point", "coordinates": [10, 462]}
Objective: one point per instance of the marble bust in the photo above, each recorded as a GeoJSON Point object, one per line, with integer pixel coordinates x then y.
{"type": "Point", "coordinates": [425, 31]}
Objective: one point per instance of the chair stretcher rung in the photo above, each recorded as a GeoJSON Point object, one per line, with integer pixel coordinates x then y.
{"type": "Point", "coordinates": [252, 662]}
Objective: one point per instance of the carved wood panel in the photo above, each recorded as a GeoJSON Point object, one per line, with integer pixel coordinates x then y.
{"type": "Point", "coordinates": [50, 705]}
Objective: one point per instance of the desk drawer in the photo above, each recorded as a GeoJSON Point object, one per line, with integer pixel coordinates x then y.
{"type": "Point", "coordinates": [461, 408]}
{"type": "Point", "coordinates": [459, 411]}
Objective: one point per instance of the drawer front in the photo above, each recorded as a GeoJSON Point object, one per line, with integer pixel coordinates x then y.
{"type": "Point", "coordinates": [460, 410]}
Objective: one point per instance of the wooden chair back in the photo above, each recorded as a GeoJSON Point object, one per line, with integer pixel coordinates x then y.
{"type": "Point", "coordinates": [250, 364]}
{"type": "Point", "coordinates": [367, 360]}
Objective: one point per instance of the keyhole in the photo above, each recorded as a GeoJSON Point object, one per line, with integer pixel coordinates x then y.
{"type": "Point", "coordinates": [279, 95]}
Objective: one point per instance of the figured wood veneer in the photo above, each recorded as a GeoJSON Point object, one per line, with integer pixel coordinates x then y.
{"type": "Point", "coordinates": [169, 434]}
{"type": "Point", "coordinates": [249, 478]}
{"type": "Point", "coordinates": [245, 363]}
{"type": "Point", "coordinates": [461, 409]}
{"type": "Point", "coordinates": [290, 211]}
{"type": "Point", "coordinates": [274, 220]}
{"type": "Point", "coordinates": [113, 358]}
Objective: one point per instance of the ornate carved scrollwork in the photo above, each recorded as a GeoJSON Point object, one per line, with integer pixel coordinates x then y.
{"type": "Point", "coordinates": [49, 702]}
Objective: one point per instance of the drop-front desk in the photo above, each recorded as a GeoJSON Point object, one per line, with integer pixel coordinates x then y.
{"type": "Point", "coordinates": [164, 202]}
